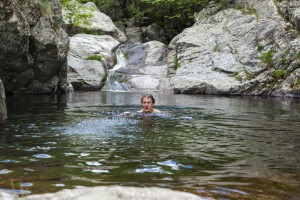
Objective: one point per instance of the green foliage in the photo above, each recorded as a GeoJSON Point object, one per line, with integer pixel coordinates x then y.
{"type": "Point", "coordinates": [288, 27]}
{"type": "Point", "coordinates": [297, 56]}
{"type": "Point", "coordinates": [215, 49]}
{"type": "Point", "coordinates": [45, 7]}
{"type": "Point", "coordinates": [94, 57]}
{"type": "Point", "coordinates": [76, 13]}
{"type": "Point", "coordinates": [250, 11]}
{"type": "Point", "coordinates": [249, 76]}
{"type": "Point", "coordinates": [278, 9]}
{"type": "Point", "coordinates": [138, 14]}
{"type": "Point", "coordinates": [172, 15]}
{"type": "Point", "coordinates": [87, 31]}
{"type": "Point", "coordinates": [237, 76]}
{"type": "Point", "coordinates": [57, 24]}
{"type": "Point", "coordinates": [279, 74]}
{"type": "Point", "coordinates": [235, 73]}
{"type": "Point", "coordinates": [284, 61]}
{"type": "Point", "coordinates": [267, 57]}
{"type": "Point", "coordinates": [176, 62]}
{"type": "Point", "coordinates": [297, 83]}
{"type": "Point", "coordinates": [259, 47]}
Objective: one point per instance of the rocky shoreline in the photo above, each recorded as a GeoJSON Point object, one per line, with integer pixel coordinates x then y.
{"type": "Point", "coordinates": [109, 193]}
{"type": "Point", "coordinates": [252, 48]}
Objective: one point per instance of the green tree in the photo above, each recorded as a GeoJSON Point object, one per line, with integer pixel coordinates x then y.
{"type": "Point", "coordinates": [172, 15]}
{"type": "Point", "coordinates": [75, 12]}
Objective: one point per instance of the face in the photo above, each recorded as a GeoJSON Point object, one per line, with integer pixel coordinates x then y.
{"type": "Point", "coordinates": [147, 104]}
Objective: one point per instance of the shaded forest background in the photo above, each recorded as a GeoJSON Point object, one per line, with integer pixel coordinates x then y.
{"type": "Point", "coordinates": [172, 15]}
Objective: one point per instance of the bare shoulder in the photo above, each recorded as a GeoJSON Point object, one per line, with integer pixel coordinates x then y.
{"type": "Point", "coordinates": [156, 111]}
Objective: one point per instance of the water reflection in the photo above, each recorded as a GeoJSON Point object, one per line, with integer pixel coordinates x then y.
{"type": "Point", "coordinates": [220, 147]}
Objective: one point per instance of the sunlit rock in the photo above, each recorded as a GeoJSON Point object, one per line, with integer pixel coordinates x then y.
{"type": "Point", "coordinates": [99, 23]}
{"type": "Point", "coordinates": [144, 69]}
{"type": "Point", "coordinates": [116, 193]}
{"type": "Point", "coordinates": [89, 58]}
{"type": "Point", "coordinates": [247, 51]}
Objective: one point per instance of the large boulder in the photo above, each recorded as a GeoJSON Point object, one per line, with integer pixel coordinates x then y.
{"type": "Point", "coordinates": [144, 34]}
{"type": "Point", "coordinates": [99, 23]}
{"type": "Point", "coordinates": [33, 47]}
{"type": "Point", "coordinates": [250, 51]}
{"type": "Point", "coordinates": [144, 68]}
{"type": "Point", "coordinates": [116, 193]}
{"type": "Point", "coordinates": [89, 59]}
{"type": "Point", "coordinates": [134, 34]}
{"type": "Point", "coordinates": [3, 112]}
{"type": "Point", "coordinates": [154, 32]}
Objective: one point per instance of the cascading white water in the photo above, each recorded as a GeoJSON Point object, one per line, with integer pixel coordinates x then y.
{"type": "Point", "coordinates": [112, 83]}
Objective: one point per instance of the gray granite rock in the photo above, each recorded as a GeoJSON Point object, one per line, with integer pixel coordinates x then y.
{"type": "Point", "coordinates": [116, 193]}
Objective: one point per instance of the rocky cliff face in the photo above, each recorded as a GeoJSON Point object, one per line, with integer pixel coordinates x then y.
{"type": "Point", "coordinates": [250, 49]}
{"type": "Point", "coordinates": [33, 47]}
{"type": "Point", "coordinates": [89, 58]}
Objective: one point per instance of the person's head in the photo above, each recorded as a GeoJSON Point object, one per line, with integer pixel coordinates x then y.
{"type": "Point", "coordinates": [147, 102]}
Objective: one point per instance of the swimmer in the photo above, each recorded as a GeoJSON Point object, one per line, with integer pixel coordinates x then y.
{"type": "Point", "coordinates": [148, 102]}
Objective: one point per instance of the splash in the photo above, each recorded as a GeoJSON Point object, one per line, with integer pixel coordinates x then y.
{"type": "Point", "coordinates": [101, 127]}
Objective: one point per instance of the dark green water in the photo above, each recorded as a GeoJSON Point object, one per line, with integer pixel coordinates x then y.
{"type": "Point", "coordinates": [220, 147]}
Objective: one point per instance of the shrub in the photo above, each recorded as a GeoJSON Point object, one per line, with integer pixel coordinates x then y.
{"type": "Point", "coordinates": [267, 57]}
{"type": "Point", "coordinates": [215, 49]}
{"type": "Point", "coordinates": [249, 76]}
{"type": "Point", "coordinates": [297, 56]}
{"type": "Point", "coordinates": [297, 82]}
{"type": "Point", "coordinates": [259, 47]}
{"type": "Point", "coordinates": [279, 74]}
{"type": "Point", "coordinates": [176, 62]}
{"type": "Point", "coordinates": [76, 13]}
{"type": "Point", "coordinates": [238, 78]}
{"type": "Point", "coordinates": [94, 57]}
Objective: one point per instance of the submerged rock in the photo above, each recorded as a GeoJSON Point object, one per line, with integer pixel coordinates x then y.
{"type": "Point", "coordinates": [116, 193]}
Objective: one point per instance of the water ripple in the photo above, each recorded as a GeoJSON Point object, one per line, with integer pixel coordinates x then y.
{"type": "Point", "coordinates": [5, 171]}
{"type": "Point", "coordinates": [42, 156]}
{"type": "Point", "coordinates": [152, 169]}
{"type": "Point", "coordinates": [93, 163]}
{"type": "Point", "coordinates": [26, 184]}
{"type": "Point", "coordinates": [100, 171]}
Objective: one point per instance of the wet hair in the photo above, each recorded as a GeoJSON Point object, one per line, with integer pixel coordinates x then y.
{"type": "Point", "coordinates": [148, 96]}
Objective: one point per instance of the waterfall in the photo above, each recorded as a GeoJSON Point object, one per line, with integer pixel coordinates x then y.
{"type": "Point", "coordinates": [112, 83]}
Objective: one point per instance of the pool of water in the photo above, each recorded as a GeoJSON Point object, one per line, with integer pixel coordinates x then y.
{"type": "Point", "coordinates": [218, 147]}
